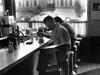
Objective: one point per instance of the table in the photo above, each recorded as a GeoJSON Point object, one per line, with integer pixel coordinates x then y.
{"type": "Point", "coordinates": [23, 57]}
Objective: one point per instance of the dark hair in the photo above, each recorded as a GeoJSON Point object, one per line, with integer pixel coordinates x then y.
{"type": "Point", "coordinates": [58, 19]}
{"type": "Point", "coordinates": [47, 18]}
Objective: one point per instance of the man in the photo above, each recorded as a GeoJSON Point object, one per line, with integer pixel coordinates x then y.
{"type": "Point", "coordinates": [68, 27]}
{"type": "Point", "coordinates": [71, 33]}
{"type": "Point", "coordinates": [59, 35]}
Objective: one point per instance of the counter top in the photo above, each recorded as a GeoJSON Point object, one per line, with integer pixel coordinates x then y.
{"type": "Point", "coordinates": [2, 38]}
{"type": "Point", "coordinates": [8, 60]}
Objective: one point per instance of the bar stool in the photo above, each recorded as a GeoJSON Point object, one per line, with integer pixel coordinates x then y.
{"type": "Point", "coordinates": [58, 56]}
{"type": "Point", "coordinates": [75, 49]}
{"type": "Point", "coordinates": [75, 66]}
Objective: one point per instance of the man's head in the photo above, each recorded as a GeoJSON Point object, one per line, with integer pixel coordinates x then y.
{"type": "Point", "coordinates": [58, 19]}
{"type": "Point", "coordinates": [49, 22]}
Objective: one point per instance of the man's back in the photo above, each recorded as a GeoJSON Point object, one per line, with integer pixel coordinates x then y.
{"type": "Point", "coordinates": [60, 35]}
{"type": "Point", "coordinates": [71, 32]}
{"type": "Point", "coordinates": [68, 27]}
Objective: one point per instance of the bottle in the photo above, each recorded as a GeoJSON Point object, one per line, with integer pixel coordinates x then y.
{"type": "Point", "coordinates": [10, 47]}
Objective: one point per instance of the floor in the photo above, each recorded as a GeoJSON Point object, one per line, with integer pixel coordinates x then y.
{"type": "Point", "coordinates": [90, 52]}
{"type": "Point", "coordinates": [89, 69]}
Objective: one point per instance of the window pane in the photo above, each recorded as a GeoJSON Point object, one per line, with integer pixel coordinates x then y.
{"type": "Point", "coordinates": [0, 1]}
{"type": "Point", "coordinates": [1, 8]}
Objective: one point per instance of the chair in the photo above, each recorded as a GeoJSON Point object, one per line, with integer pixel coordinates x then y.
{"type": "Point", "coordinates": [58, 59]}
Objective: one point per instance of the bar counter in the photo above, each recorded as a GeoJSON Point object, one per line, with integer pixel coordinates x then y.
{"type": "Point", "coordinates": [22, 56]}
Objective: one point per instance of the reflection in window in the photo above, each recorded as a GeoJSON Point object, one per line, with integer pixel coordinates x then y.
{"type": "Point", "coordinates": [35, 3]}
{"type": "Point", "coordinates": [27, 3]}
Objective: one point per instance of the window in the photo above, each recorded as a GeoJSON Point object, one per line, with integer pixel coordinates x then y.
{"type": "Point", "coordinates": [1, 8]}
{"type": "Point", "coordinates": [1, 1]}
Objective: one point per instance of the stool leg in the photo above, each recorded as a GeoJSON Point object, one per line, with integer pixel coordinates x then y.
{"type": "Point", "coordinates": [75, 60]}
{"type": "Point", "coordinates": [61, 71]}
{"type": "Point", "coordinates": [72, 64]}
{"type": "Point", "coordinates": [66, 68]}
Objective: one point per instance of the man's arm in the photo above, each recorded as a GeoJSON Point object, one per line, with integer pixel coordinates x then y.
{"type": "Point", "coordinates": [43, 34]}
{"type": "Point", "coordinates": [46, 35]}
